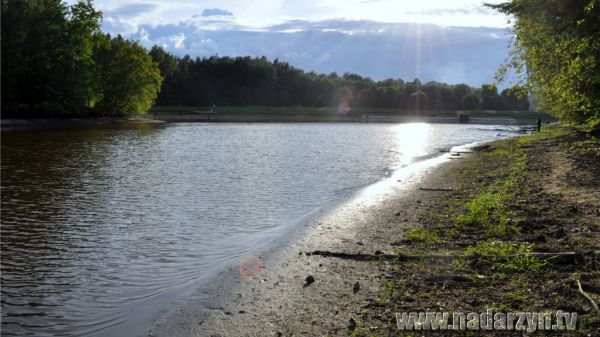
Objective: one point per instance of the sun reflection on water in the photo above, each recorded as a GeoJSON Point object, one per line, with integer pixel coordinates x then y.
{"type": "Point", "coordinates": [411, 140]}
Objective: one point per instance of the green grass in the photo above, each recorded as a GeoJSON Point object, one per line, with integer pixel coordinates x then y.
{"type": "Point", "coordinates": [503, 256]}
{"type": "Point", "coordinates": [488, 215]}
{"type": "Point", "coordinates": [421, 235]}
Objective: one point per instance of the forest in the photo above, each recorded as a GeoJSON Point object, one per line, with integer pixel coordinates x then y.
{"type": "Point", "coordinates": [243, 81]}
{"type": "Point", "coordinates": [56, 62]}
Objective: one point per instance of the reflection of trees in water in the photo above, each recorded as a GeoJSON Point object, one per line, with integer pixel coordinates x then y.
{"type": "Point", "coordinates": [52, 182]}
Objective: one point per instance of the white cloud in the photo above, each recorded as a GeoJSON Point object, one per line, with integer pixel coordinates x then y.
{"type": "Point", "coordinates": [376, 38]}
{"type": "Point", "coordinates": [143, 35]}
{"type": "Point", "coordinates": [126, 16]}
{"type": "Point", "coordinates": [177, 40]}
{"type": "Point", "coordinates": [216, 12]}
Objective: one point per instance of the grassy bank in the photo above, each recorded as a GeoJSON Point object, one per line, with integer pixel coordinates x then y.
{"type": "Point", "coordinates": [519, 232]}
{"type": "Point", "coordinates": [331, 114]}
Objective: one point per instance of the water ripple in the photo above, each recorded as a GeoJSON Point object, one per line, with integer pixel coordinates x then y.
{"type": "Point", "coordinates": [97, 221]}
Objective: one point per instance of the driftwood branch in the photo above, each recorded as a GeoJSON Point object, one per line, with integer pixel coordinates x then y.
{"type": "Point", "coordinates": [560, 257]}
{"type": "Point", "coordinates": [356, 256]}
{"type": "Point", "coordinates": [435, 189]}
{"type": "Point", "coordinates": [588, 297]}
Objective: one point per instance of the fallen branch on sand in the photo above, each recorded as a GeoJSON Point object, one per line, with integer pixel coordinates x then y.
{"type": "Point", "coordinates": [435, 189]}
{"type": "Point", "coordinates": [588, 297]}
{"type": "Point", "coordinates": [560, 257]}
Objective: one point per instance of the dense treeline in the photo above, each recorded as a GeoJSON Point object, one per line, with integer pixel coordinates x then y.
{"type": "Point", "coordinates": [56, 62]}
{"type": "Point", "coordinates": [240, 81]}
{"type": "Point", "coordinates": [557, 54]}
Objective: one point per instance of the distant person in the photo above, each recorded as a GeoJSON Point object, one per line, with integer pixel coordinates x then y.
{"type": "Point", "coordinates": [213, 109]}
{"type": "Point", "coordinates": [539, 124]}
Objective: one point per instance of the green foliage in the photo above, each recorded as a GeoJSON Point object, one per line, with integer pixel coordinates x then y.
{"type": "Point", "coordinates": [471, 102]}
{"type": "Point", "coordinates": [489, 210]}
{"type": "Point", "coordinates": [489, 96]}
{"type": "Point", "coordinates": [418, 101]}
{"type": "Point", "coordinates": [504, 256]}
{"type": "Point", "coordinates": [556, 52]}
{"type": "Point", "coordinates": [46, 56]}
{"type": "Point", "coordinates": [421, 235]}
{"type": "Point", "coordinates": [246, 81]}
{"type": "Point", "coordinates": [128, 80]}
{"type": "Point", "coordinates": [488, 213]}
{"type": "Point", "coordinates": [482, 210]}
{"type": "Point", "coordinates": [54, 63]}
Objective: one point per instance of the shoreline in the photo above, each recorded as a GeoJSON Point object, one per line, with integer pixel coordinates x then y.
{"type": "Point", "coordinates": [45, 123]}
{"type": "Point", "coordinates": [280, 301]}
{"type": "Point", "coordinates": [48, 123]}
{"type": "Point", "coordinates": [326, 118]}
{"type": "Point", "coordinates": [242, 306]}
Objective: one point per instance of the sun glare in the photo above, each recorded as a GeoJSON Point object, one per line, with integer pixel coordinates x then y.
{"type": "Point", "coordinates": [411, 140]}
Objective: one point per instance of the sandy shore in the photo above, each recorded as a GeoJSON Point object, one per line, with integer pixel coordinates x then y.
{"type": "Point", "coordinates": [277, 301]}
{"type": "Point", "coordinates": [540, 196]}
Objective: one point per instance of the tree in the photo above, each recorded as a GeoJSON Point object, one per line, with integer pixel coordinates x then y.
{"type": "Point", "coordinates": [167, 63]}
{"type": "Point", "coordinates": [489, 97]}
{"type": "Point", "coordinates": [556, 52]}
{"type": "Point", "coordinates": [470, 102]}
{"type": "Point", "coordinates": [418, 101]}
{"type": "Point", "coordinates": [514, 99]}
{"type": "Point", "coordinates": [448, 100]}
{"type": "Point", "coordinates": [56, 63]}
{"type": "Point", "coordinates": [258, 81]}
{"type": "Point", "coordinates": [47, 57]}
{"type": "Point", "coordinates": [127, 78]}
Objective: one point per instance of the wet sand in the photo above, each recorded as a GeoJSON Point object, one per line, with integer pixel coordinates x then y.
{"type": "Point", "coordinates": [278, 300]}
{"type": "Point", "coordinates": [301, 294]}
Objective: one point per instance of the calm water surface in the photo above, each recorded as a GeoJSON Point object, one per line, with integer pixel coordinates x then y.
{"type": "Point", "coordinates": [97, 221]}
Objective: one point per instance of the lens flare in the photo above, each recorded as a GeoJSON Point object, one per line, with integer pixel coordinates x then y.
{"type": "Point", "coordinates": [343, 108]}
{"type": "Point", "coordinates": [251, 267]}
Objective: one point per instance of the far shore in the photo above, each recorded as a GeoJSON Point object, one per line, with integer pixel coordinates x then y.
{"type": "Point", "coordinates": [257, 114]}
{"type": "Point", "coordinates": [302, 118]}
{"type": "Point", "coordinates": [253, 114]}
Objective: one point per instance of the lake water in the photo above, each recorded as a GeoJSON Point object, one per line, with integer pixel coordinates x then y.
{"type": "Point", "coordinates": [98, 221]}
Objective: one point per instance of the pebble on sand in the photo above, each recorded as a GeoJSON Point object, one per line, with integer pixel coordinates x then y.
{"type": "Point", "coordinates": [309, 280]}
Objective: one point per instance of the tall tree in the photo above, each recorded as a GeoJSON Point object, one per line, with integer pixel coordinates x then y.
{"type": "Point", "coordinates": [46, 56]}
{"type": "Point", "coordinates": [128, 80]}
{"type": "Point", "coordinates": [557, 55]}
{"type": "Point", "coordinates": [489, 97]}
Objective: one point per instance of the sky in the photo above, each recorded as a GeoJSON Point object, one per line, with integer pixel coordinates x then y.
{"type": "Point", "coordinates": [448, 41]}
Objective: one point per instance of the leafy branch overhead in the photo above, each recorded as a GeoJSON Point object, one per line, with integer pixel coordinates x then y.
{"type": "Point", "coordinates": [556, 53]}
